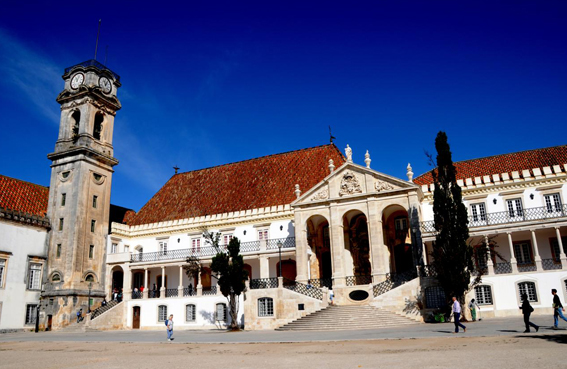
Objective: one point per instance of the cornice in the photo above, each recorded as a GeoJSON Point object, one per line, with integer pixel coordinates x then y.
{"type": "Point", "coordinates": [25, 218]}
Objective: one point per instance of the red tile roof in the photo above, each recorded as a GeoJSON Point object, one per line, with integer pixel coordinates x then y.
{"type": "Point", "coordinates": [250, 184]}
{"type": "Point", "coordinates": [23, 196]}
{"type": "Point", "coordinates": [505, 163]}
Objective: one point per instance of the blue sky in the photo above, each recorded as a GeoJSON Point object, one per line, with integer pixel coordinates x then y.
{"type": "Point", "coordinates": [207, 83]}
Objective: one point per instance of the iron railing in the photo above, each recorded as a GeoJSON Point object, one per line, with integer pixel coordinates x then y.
{"type": "Point", "coordinates": [304, 289]}
{"type": "Point", "coordinates": [506, 217]}
{"type": "Point", "coordinates": [358, 280]}
{"type": "Point", "coordinates": [256, 284]}
{"type": "Point", "coordinates": [211, 291]}
{"type": "Point", "coordinates": [102, 309]}
{"type": "Point", "coordinates": [200, 252]}
{"type": "Point", "coordinates": [93, 63]}
{"type": "Point", "coordinates": [550, 264]}
{"type": "Point", "coordinates": [393, 280]}
{"type": "Point", "coordinates": [171, 292]}
{"type": "Point", "coordinates": [527, 267]}
{"type": "Point", "coordinates": [502, 268]}
{"type": "Point", "coordinates": [136, 295]}
{"type": "Point", "coordinates": [428, 271]}
{"type": "Point", "coordinates": [153, 294]}
{"type": "Point", "coordinates": [322, 282]}
{"type": "Point", "coordinates": [189, 291]}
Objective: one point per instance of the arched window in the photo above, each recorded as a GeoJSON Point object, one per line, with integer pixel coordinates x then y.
{"type": "Point", "coordinates": [75, 119]}
{"type": "Point", "coordinates": [56, 277]}
{"type": "Point", "coordinates": [221, 312]}
{"type": "Point", "coordinates": [483, 295]}
{"type": "Point", "coordinates": [528, 288]}
{"type": "Point", "coordinates": [89, 278]}
{"type": "Point", "coordinates": [435, 297]}
{"type": "Point", "coordinates": [190, 311]}
{"type": "Point", "coordinates": [162, 313]}
{"type": "Point", "coordinates": [265, 306]}
{"type": "Point", "coordinates": [99, 118]}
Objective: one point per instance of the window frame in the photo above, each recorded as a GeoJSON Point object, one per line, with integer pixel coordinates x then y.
{"type": "Point", "coordinates": [91, 252]}
{"type": "Point", "coordinates": [481, 300]}
{"type": "Point", "coordinates": [162, 244]}
{"type": "Point", "coordinates": [93, 225]}
{"type": "Point", "coordinates": [224, 312]}
{"type": "Point", "coordinates": [63, 199]}
{"type": "Point", "coordinates": [530, 251]}
{"type": "Point", "coordinates": [554, 205]}
{"type": "Point", "coordinates": [30, 285]}
{"type": "Point", "coordinates": [194, 313]}
{"type": "Point", "coordinates": [227, 238]}
{"type": "Point", "coordinates": [58, 251]}
{"type": "Point", "coordinates": [265, 307]}
{"type": "Point", "coordinates": [3, 269]}
{"type": "Point", "coordinates": [195, 249]}
{"type": "Point", "coordinates": [33, 314]}
{"type": "Point", "coordinates": [159, 312]}
{"type": "Point", "coordinates": [519, 291]}
{"type": "Point", "coordinates": [401, 223]}
{"type": "Point", "coordinates": [113, 247]}
{"type": "Point", "coordinates": [512, 208]}
{"type": "Point", "coordinates": [478, 211]}
{"type": "Point", "coordinates": [95, 199]}
{"type": "Point", "coordinates": [61, 224]}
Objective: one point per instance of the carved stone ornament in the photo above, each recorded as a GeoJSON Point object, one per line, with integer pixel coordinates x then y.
{"type": "Point", "coordinates": [349, 184]}
{"type": "Point", "coordinates": [383, 186]}
{"type": "Point", "coordinates": [321, 195]}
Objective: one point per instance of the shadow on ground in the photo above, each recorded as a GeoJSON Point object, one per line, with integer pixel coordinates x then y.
{"type": "Point", "coordinates": [557, 338]}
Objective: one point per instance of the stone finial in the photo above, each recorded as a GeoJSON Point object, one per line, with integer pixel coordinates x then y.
{"type": "Point", "coordinates": [367, 159]}
{"type": "Point", "coordinates": [348, 152]}
{"type": "Point", "coordinates": [331, 165]}
{"type": "Point", "coordinates": [409, 173]}
{"type": "Point", "coordinates": [297, 191]}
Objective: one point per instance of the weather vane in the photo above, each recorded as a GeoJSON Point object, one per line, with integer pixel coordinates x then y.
{"type": "Point", "coordinates": [331, 137]}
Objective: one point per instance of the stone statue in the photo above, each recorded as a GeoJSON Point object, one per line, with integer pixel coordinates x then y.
{"type": "Point", "coordinates": [409, 173]}
{"type": "Point", "coordinates": [367, 159]}
{"type": "Point", "coordinates": [348, 152]}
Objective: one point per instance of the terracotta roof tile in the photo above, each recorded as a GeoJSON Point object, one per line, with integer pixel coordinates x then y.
{"type": "Point", "coordinates": [23, 196]}
{"type": "Point", "coordinates": [250, 184]}
{"type": "Point", "coordinates": [505, 163]}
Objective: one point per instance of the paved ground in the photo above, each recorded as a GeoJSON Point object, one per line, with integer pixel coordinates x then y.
{"type": "Point", "coordinates": [495, 343]}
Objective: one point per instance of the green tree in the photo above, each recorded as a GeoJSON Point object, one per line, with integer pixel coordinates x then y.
{"type": "Point", "coordinates": [229, 269]}
{"type": "Point", "coordinates": [453, 256]}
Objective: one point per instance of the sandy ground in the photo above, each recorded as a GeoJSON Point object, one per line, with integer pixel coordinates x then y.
{"type": "Point", "coordinates": [528, 351]}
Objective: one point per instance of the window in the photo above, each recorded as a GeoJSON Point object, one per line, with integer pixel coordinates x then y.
{"type": "Point", "coordinates": [552, 203]}
{"type": "Point", "coordinates": [401, 224]}
{"type": "Point", "coordinates": [95, 198]}
{"type": "Point", "coordinates": [163, 247]}
{"type": "Point", "coordinates": [114, 248]}
{"type": "Point", "coordinates": [529, 289]}
{"type": "Point", "coordinates": [555, 248]}
{"type": "Point", "coordinates": [162, 313]}
{"type": "Point", "coordinates": [226, 238]}
{"type": "Point", "coordinates": [263, 235]}
{"type": "Point", "coordinates": [435, 297]}
{"type": "Point", "coordinates": [97, 129]}
{"type": "Point", "coordinates": [61, 220]}
{"type": "Point", "coordinates": [31, 314]}
{"type": "Point", "coordinates": [478, 212]}
{"type": "Point", "coordinates": [483, 295]}
{"type": "Point", "coordinates": [221, 312]}
{"type": "Point", "coordinates": [196, 245]}
{"type": "Point", "coordinates": [58, 251]}
{"type": "Point", "coordinates": [514, 208]}
{"type": "Point", "coordinates": [91, 251]}
{"type": "Point", "coordinates": [34, 276]}
{"type": "Point", "coordinates": [126, 248]}
{"type": "Point", "coordinates": [190, 311]}
{"type": "Point", "coordinates": [89, 278]}
{"type": "Point", "coordinates": [63, 198]}
{"type": "Point", "coordinates": [2, 268]}
{"type": "Point", "coordinates": [265, 306]}
{"type": "Point", "coordinates": [523, 252]}
{"type": "Point", "coordinates": [55, 277]}
{"type": "Point", "coordinates": [93, 225]}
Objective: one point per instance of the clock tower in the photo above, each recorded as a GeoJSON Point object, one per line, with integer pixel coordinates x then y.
{"type": "Point", "coordinates": [79, 192]}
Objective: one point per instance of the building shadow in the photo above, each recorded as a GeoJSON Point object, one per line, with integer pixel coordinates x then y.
{"type": "Point", "coordinates": [557, 338]}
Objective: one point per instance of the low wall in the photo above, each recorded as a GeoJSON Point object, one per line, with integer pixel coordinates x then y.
{"type": "Point", "coordinates": [113, 318]}
{"type": "Point", "coordinates": [403, 300]}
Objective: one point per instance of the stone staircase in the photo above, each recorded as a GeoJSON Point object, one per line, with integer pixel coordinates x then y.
{"type": "Point", "coordinates": [347, 318]}
{"type": "Point", "coordinates": [103, 309]}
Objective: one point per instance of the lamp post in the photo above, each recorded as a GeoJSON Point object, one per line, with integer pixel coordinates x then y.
{"type": "Point", "coordinates": [90, 287]}
{"type": "Point", "coordinates": [280, 244]}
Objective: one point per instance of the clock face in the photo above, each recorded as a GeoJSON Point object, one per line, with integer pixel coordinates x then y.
{"type": "Point", "coordinates": [105, 85]}
{"type": "Point", "coordinates": [77, 80]}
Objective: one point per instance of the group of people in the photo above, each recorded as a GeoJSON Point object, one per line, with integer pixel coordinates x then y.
{"type": "Point", "coordinates": [117, 295]}
{"type": "Point", "coordinates": [526, 308]}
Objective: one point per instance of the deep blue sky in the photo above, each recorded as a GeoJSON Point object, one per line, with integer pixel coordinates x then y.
{"type": "Point", "coordinates": [207, 83]}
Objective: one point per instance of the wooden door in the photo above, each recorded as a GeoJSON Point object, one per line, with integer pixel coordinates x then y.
{"type": "Point", "coordinates": [49, 322]}
{"type": "Point", "coordinates": [136, 317]}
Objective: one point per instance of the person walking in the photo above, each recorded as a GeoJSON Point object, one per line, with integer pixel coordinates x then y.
{"type": "Point", "coordinates": [79, 315]}
{"type": "Point", "coordinates": [473, 306]}
{"type": "Point", "coordinates": [457, 315]}
{"type": "Point", "coordinates": [527, 309]}
{"type": "Point", "coordinates": [557, 309]}
{"type": "Point", "coordinates": [169, 325]}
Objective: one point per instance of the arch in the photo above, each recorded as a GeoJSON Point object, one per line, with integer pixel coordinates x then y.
{"type": "Point", "coordinates": [117, 278]}
{"type": "Point", "coordinates": [98, 124]}
{"type": "Point", "coordinates": [91, 275]}
{"type": "Point", "coordinates": [56, 277]}
{"type": "Point", "coordinates": [396, 230]}
{"type": "Point", "coordinates": [319, 241]}
{"type": "Point", "coordinates": [357, 242]}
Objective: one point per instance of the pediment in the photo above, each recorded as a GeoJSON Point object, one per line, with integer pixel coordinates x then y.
{"type": "Point", "coordinates": [352, 180]}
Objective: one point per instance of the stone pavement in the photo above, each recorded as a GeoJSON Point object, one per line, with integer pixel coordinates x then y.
{"type": "Point", "coordinates": [485, 328]}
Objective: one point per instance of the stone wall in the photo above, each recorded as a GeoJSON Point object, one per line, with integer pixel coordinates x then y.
{"type": "Point", "coordinates": [403, 300]}
{"type": "Point", "coordinates": [111, 319]}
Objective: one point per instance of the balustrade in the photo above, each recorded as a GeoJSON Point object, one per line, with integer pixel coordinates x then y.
{"type": "Point", "coordinates": [256, 284]}
{"type": "Point", "coordinates": [550, 264]}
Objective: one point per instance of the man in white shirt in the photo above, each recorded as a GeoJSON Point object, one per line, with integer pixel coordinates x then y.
{"type": "Point", "coordinates": [457, 315]}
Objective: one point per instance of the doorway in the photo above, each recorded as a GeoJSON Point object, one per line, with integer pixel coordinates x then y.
{"type": "Point", "coordinates": [49, 322]}
{"type": "Point", "coordinates": [136, 317]}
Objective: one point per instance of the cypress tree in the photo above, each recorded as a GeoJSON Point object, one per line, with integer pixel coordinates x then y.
{"type": "Point", "coordinates": [453, 256]}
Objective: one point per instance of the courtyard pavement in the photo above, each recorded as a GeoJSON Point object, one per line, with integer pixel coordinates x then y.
{"type": "Point", "coordinates": [485, 328]}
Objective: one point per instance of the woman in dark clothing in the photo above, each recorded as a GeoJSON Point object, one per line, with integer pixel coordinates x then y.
{"type": "Point", "coordinates": [527, 309]}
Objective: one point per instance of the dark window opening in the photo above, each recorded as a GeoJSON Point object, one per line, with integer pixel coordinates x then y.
{"type": "Point", "coordinates": [98, 126]}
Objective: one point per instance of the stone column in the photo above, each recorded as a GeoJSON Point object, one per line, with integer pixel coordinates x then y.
{"type": "Point", "coordinates": [380, 257]}
{"type": "Point", "coordinates": [424, 253]}
{"type": "Point", "coordinates": [562, 255]}
{"type": "Point", "coordinates": [337, 247]}
{"type": "Point", "coordinates": [162, 287]}
{"type": "Point", "coordinates": [301, 246]}
{"type": "Point", "coordinates": [376, 241]}
{"type": "Point", "coordinates": [264, 266]}
{"type": "Point", "coordinates": [537, 258]}
{"type": "Point", "coordinates": [415, 229]}
{"type": "Point", "coordinates": [180, 287]}
{"type": "Point", "coordinates": [513, 260]}
{"type": "Point", "coordinates": [146, 287]}
{"type": "Point", "coordinates": [127, 286]}
{"type": "Point", "coordinates": [489, 262]}
{"type": "Point", "coordinates": [199, 285]}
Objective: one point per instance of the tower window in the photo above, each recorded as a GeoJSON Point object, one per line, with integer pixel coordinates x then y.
{"type": "Point", "coordinates": [93, 225]}
{"type": "Point", "coordinates": [61, 221]}
{"type": "Point", "coordinates": [91, 251]}
{"type": "Point", "coordinates": [95, 198]}
{"type": "Point", "coordinates": [89, 278]}
{"type": "Point", "coordinates": [63, 198]}
{"type": "Point", "coordinates": [98, 126]}
{"type": "Point", "coordinates": [58, 251]}
{"type": "Point", "coordinates": [75, 119]}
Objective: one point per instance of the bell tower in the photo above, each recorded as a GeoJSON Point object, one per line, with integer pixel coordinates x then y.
{"type": "Point", "coordinates": [79, 193]}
